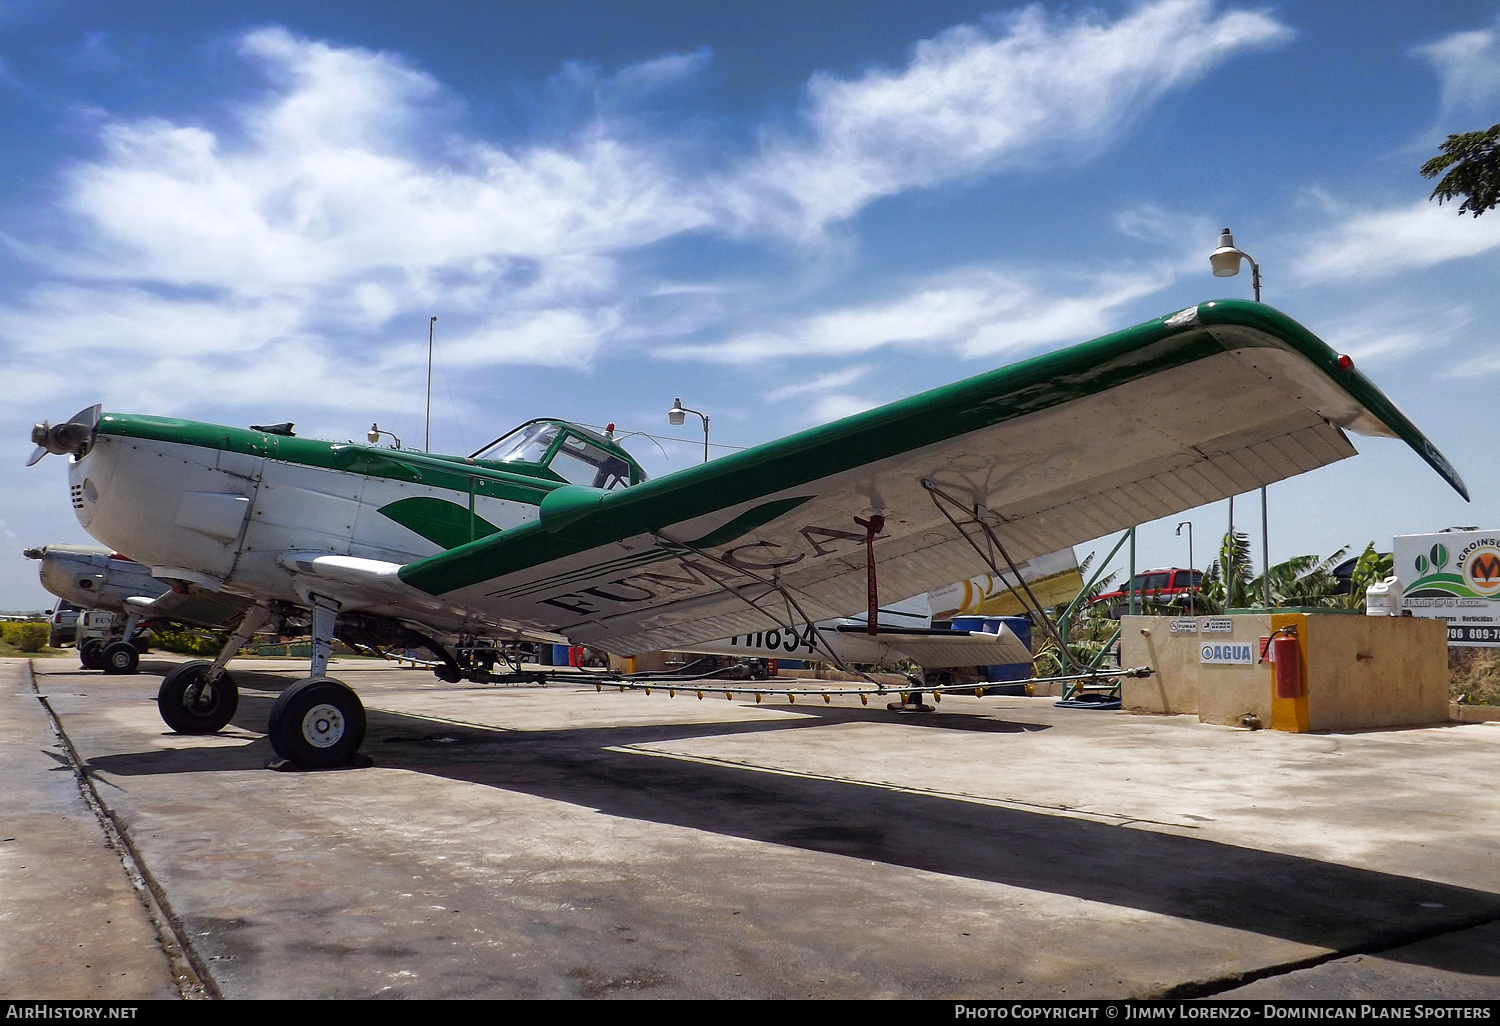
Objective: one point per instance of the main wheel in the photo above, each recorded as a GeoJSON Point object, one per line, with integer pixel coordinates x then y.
{"type": "Point", "coordinates": [91, 654]}
{"type": "Point", "coordinates": [190, 703]}
{"type": "Point", "coordinates": [317, 722]}
{"type": "Point", "coordinates": [121, 657]}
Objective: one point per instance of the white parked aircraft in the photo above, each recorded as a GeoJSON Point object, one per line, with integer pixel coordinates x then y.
{"type": "Point", "coordinates": [554, 528]}
{"type": "Point", "coordinates": [96, 578]}
{"type": "Point", "coordinates": [905, 633]}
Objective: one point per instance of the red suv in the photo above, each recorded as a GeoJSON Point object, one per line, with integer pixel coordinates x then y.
{"type": "Point", "coordinates": [1166, 586]}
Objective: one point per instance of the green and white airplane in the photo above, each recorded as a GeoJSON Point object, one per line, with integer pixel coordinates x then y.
{"type": "Point", "coordinates": [553, 529]}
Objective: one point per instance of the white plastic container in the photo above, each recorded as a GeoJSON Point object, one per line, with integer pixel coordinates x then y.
{"type": "Point", "coordinates": [1384, 598]}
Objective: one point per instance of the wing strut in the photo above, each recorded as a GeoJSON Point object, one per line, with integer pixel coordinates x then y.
{"type": "Point", "coordinates": [775, 585]}
{"type": "Point", "coordinates": [977, 515]}
{"type": "Point", "coordinates": [872, 527]}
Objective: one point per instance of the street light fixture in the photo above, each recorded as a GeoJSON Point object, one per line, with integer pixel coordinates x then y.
{"type": "Point", "coordinates": [677, 415]}
{"type": "Point", "coordinates": [1226, 264]}
{"type": "Point", "coordinates": [374, 436]}
{"type": "Point", "coordinates": [1226, 261]}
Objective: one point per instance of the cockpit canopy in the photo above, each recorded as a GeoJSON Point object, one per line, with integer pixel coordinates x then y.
{"type": "Point", "coordinates": [565, 451]}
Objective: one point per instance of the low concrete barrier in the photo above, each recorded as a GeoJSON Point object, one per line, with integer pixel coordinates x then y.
{"type": "Point", "coordinates": [1357, 671]}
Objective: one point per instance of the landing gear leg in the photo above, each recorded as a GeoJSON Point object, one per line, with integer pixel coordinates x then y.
{"type": "Point", "coordinates": [118, 655]}
{"type": "Point", "coordinates": [200, 697]}
{"type": "Point", "coordinates": [318, 722]}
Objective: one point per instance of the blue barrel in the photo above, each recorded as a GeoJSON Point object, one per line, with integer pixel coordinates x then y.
{"type": "Point", "coordinates": [1020, 626]}
{"type": "Point", "coordinates": [559, 655]}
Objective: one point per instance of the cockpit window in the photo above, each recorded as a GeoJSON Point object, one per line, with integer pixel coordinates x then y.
{"type": "Point", "coordinates": [582, 463]}
{"type": "Point", "coordinates": [577, 457]}
{"type": "Point", "coordinates": [526, 444]}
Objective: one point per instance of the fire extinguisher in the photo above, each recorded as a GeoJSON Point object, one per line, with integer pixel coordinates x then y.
{"type": "Point", "coordinates": [1287, 656]}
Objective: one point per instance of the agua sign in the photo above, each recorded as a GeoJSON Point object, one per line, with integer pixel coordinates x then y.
{"type": "Point", "coordinates": [1233, 653]}
{"type": "Point", "coordinates": [1454, 577]}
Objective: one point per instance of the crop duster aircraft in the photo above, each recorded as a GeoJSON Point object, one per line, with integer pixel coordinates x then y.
{"type": "Point", "coordinates": [554, 528]}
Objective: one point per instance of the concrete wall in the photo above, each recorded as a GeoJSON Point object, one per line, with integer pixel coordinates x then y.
{"type": "Point", "coordinates": [1183, 684]}
{"type": "Point", "coordinates": [1357, 672]}
{"type": "Point", "coordinates": [1375, 671]}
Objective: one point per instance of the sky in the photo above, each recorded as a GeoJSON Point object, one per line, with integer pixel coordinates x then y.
{"type": "Point", "coordinates": [783, 213]}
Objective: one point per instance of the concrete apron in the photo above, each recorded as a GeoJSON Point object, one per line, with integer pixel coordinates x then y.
{"type": "Point", "coordinates": [71, 923]}
{"type": "Point", "coordinates": [560, 843]}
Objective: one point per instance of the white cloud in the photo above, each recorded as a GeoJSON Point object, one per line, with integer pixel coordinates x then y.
{"type": "Point", "coordinates": [976, 98]}
{"type": "Point", "coordinates": [346, 194]}
{"type": "Point", "coordinates": [1397, 328]}
{"type": "Point", "coordinates": [837, 406]}
{"type": "Point", "coordinates": [331, 182]}
{"type": "Point", "coordinates": [318, 211]}
{"type": "Point", "coordinates": [556, 338]}
{"type": "Point", "coordinates": [1382, 242]}
{"type": "Point", "coordinates": [821, 383]}
{"type": "Point", "coordinates": [977, 312]}
{"type": "Point", "coordinates": [1468, 65]}
{"type": "Point", "coordinates": [81, 322]}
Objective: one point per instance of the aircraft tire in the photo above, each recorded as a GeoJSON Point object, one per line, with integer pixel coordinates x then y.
{"type": "Point", "coordinates": [91, 654]}
{"type": "Point", "coordinates": [190, 706]}
{"type": "Point", "coordinates": [317, 723]}
{"type": "Point", "coordinates": [121, 657]}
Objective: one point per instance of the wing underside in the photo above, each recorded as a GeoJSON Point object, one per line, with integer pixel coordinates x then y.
{"type": "Point", "coordinates": [1178, 412]}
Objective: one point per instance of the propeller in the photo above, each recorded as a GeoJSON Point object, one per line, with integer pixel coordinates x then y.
{"type": "Point", "coordinates": [73, 436]}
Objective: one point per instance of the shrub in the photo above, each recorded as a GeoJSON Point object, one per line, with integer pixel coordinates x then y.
{"type": "Point", "coordinates": [28, 637]}
{"type": "Point", "coordinates": [188, 643]}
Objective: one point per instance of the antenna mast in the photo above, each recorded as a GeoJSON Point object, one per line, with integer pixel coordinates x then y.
{"type": "Point", "coordinates": [427, 431]}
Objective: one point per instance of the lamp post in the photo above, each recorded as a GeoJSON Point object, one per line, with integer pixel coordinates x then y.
{"type": "Point", "coordinates": [1226, 264]}
{"type": "Point", "coordinates": [678, 414]}
{"type": "Point", "coordinates": [427, 432]}
{"type": "Point", "coordinates": [1192, 605]}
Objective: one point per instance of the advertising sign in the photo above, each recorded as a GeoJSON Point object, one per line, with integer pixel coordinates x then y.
{"type": "Point", "coordinates": [1455, 577]}
{"type": "Point", "coordinates": [1053, 578]}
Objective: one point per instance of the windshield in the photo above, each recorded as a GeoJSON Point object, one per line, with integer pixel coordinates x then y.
{"type": "Point", "coordinates": [526, 444]}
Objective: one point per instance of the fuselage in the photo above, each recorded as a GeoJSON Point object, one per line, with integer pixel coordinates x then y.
{"type": "Point", "coordinates": [230, 508]}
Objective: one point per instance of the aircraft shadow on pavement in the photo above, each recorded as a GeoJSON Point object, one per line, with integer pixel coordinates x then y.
{"type": "Point", "coordinates": [1305, 900]}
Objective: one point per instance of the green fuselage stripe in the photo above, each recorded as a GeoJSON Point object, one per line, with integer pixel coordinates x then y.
{"type": "Point", "coordinates": [439, 521]}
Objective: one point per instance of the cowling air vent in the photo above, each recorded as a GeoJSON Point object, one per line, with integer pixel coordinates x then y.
{"type": "Point", "coordinates": [77, 491]}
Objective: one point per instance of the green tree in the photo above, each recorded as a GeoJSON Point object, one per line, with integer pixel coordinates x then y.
{"type": "Point", "coordinates": [1086, 626]}
{"type": "Point", "coordinates": [1472, 163]}
{"type": "Point", "coordinates": [1371, 568]}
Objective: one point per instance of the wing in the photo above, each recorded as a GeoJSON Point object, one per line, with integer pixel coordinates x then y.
{"type": "Point", "coordinates": [196, 606]}
{"type": "Point", "coordinates": [1214, 401]}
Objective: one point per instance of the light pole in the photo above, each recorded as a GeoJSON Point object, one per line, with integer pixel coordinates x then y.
{"type": "Point", "coordinates": [427, 432]}
{"type": "Point", "coordinates": [1226, 264]}
{"type": "Point", "coordinates": [678, 414]}
{"type": "Point", "coordinates": [1192, 606]}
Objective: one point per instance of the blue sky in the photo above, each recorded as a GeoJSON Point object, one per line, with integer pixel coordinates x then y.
{"type": "Point", "coordinates": [781, 212]}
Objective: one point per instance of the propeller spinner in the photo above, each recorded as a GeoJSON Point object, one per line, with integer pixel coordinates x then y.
{"type": "Point", "coordinates": [73, 436]}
